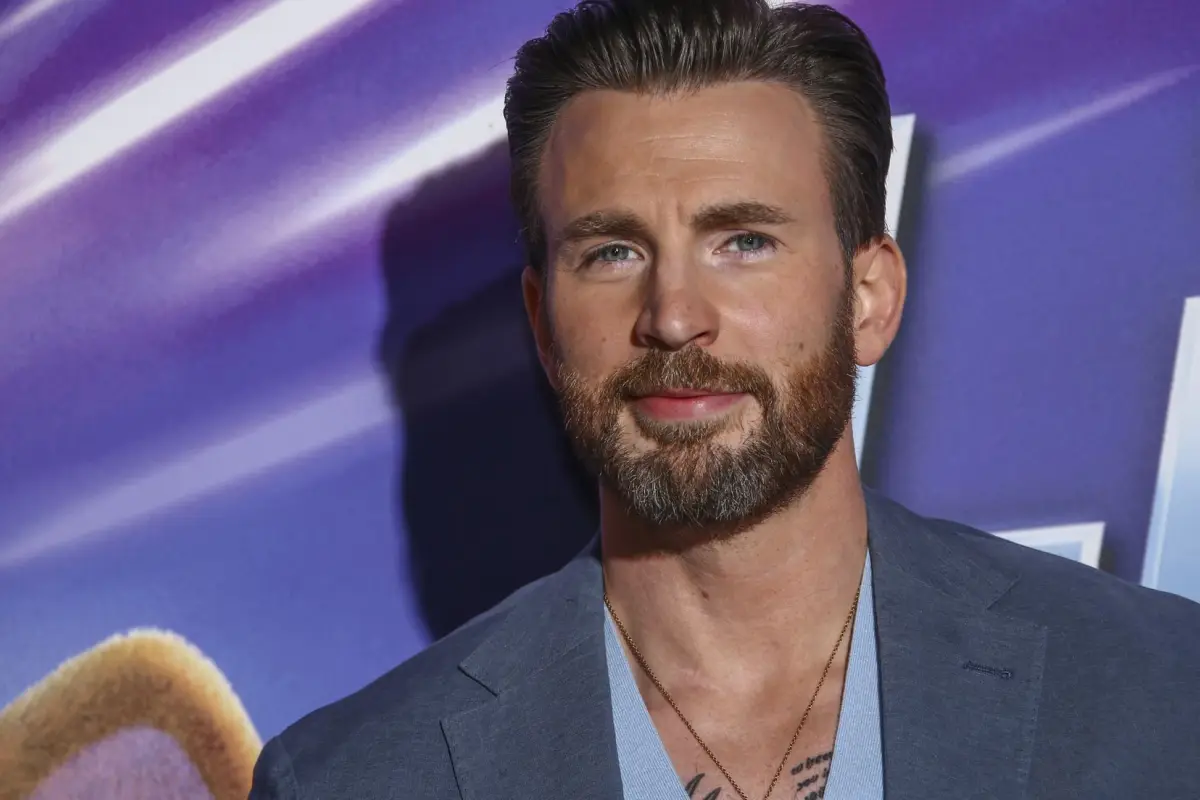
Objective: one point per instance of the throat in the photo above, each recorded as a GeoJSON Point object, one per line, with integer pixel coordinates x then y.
{"type": "Point", "coordinates": [761, 735]}
{"type": "Point", "coordinates": [771, 741]}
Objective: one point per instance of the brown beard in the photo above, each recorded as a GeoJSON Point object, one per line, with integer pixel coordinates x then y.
{"type": "Point", "coordinates": [690, 481]}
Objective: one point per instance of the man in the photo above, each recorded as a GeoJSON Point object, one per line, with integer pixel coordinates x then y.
{"type": "Point", "coordinates": [702, 188]}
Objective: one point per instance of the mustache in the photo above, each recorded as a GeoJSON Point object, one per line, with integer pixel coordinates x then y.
{"type": "Point", "coordinates": [693, 369]}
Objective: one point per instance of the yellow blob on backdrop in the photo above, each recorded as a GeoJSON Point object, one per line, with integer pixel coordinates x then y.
{"type": "Point", "coordinates": [140, 715]}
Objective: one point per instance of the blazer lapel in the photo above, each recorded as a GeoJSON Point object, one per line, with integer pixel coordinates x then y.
{"type": "Point", "coordinates": [548, 730]}
{"type": "Point", "coordinates": [959, 682]}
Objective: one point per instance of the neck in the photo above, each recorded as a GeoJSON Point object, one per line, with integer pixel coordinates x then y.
{"type": "Point", "coordinates": [766, 600]}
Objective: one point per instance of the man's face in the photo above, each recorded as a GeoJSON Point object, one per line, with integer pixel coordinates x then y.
{"type": "Point", "coordinates": [698, 321]}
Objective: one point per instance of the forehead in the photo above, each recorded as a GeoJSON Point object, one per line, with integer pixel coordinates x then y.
{"type": "Point", "coordinates": [734, 141]}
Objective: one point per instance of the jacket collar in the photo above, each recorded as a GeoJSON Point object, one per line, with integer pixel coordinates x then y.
{"type": "Point", "coordinates": [959, 681]}
{"type": "Point", "coordinates": [548, 731]}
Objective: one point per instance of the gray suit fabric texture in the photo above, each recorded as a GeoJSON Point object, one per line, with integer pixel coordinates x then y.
{"type": "Point", "coordinates": [1004, 673]}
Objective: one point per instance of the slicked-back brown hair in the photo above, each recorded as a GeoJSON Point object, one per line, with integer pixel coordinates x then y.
{"type": "Point", "coordinates": [665, 46]}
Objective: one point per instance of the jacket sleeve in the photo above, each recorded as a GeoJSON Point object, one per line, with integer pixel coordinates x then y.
{"type": "Point", "coordinates": [273, 777]}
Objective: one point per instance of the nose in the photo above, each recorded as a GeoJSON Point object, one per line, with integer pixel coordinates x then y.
{"type": "Point", "coordinates": [675, 310]}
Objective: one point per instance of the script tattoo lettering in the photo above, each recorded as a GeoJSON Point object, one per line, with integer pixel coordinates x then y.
{"type": "Point", "coordinates": [694, 784]}
{"type": "Point", "coordinates": [810, 775]}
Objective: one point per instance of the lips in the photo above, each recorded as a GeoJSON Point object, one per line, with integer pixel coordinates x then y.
{"type": "Point", "coordinates": [685, 404]}
{"type": "Point", "coordinates": [683, 393]}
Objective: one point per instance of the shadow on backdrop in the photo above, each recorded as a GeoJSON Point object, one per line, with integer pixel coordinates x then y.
{"type": "Point", "coordinates": [878, 449]}
{"type": "Point", "coordinates": [489, 492]}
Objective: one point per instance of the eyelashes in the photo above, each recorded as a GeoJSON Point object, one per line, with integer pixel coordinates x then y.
{"type": "Point", "coordinates": [750, 246]}
{"type": "Point", "coordinates": [598, 254]}
{"type": "Point", "coordinates": [764, 240]}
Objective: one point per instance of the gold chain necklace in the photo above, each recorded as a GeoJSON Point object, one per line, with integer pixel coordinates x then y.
{"type": "Point", "coordinates": [637, 654]}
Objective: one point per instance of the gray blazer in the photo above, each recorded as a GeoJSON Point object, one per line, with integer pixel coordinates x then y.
{"type": "Point", "coordinates": [1005, 673]}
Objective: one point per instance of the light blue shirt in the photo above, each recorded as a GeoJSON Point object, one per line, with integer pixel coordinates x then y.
{"type": "Point", "coordinates": [856, 772]}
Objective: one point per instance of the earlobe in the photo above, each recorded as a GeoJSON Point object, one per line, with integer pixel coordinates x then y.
{"type": "Point", "coordinates": [533, 288]}
{"type": "Point", "coordinates": [880, 288]}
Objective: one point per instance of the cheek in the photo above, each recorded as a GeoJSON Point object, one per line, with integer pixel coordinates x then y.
{"type": "Point", "coordinates": [588, 337]}
{"type": "Point", "coordinates": [778, 332]}
{"type": "Point", "coordinates": [792, 314]}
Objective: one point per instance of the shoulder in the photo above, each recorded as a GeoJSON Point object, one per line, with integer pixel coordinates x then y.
{"type": "Point", "coordinates": [389, 730]}
{"type": "Point", "coordinates": [1117, 657]}
{"type": "Point", "coordinates": [1087, 607]}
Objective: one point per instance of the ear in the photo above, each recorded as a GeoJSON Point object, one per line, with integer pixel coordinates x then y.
{"type": "Point", "coordinates": [880, 286]}
{"type": "Point", "coordinates": [533, 287]}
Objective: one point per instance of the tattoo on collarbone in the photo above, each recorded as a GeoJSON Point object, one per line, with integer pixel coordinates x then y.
{"type": "Point", "coordinates": [693, 786]}
{"type": "Point", "coordinates": [809, 775]}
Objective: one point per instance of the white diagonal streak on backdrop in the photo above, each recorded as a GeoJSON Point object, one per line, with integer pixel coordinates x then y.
{"type": "Point", "coordinates": [464, 136]}
{"type": "Point", "coordinates": [217, 64]}
{"type": "Point", "coordinates": [1000, 148]}
{"type": "Point", "coordinates": [329, 418]}
{"type": "Point", "coordinates": [26, 14]}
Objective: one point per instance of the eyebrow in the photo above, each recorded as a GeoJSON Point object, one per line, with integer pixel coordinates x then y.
{"type": "Point", "coordinates": [621, 224]}
{"type": "Point", "coordinates": [739, 215]}
{"type": "Point", "coordinates": [614, 224]}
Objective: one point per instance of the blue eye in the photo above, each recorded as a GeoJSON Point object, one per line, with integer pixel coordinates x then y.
{"type": "Point", "coordinates": [749, 246]}
{"type": "Point", "coordinates": [611, 254]}
{"type": "Point", "coordinates": [749, 242]}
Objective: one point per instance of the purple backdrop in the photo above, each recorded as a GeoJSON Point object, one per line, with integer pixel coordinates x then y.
{"type": "Point", "coordinates": [214, 232]}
